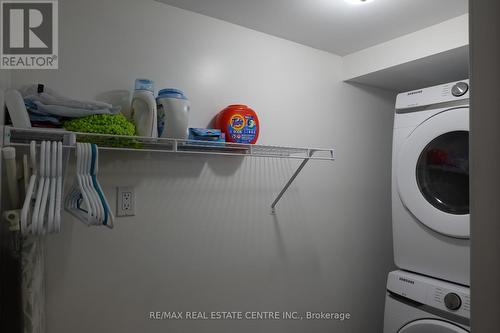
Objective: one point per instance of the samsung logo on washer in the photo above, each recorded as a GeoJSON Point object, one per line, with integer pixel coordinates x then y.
{"type": "Point", "coordinates": [406, 280]}
{"type": "Point", "coordinates": [414, 92]}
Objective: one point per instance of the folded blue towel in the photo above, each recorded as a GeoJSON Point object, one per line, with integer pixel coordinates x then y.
{"type": "Point", "coordinates": [43, 100]}
{"type": "Point", "coordinates": [41, 118]}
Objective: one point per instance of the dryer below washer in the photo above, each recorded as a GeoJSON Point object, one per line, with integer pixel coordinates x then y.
{"type": "Point", "coordinates": [418, 304]}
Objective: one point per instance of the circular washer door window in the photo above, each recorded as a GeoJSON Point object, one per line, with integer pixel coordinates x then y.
{"type": "Point", "coordinates": [443, 172]}
{"type": "Point", "coordinates": [431, 326]}
{"type": "Point", "coordinates": [433, 173]}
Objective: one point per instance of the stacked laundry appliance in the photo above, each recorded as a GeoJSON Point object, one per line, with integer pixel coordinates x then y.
{"type": "Point", "coordinates": [430, 212]}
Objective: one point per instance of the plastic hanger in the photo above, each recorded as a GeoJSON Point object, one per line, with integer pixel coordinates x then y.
{"type": "Point", "coordinates": [108, 214]}
{"type": "Point", "coordinates": [86, 191]}
{"type": "Point", "coordinates": [39, 192]}
{"type": "Point", "coordinates": [42, 220]}
{"type": "Point", "coordinates": [41, 209]}
{"type": "Point", "coordinates": [26, 173]}
{"type": "Point", "coordinates": [93, 178]}
{"type": "Point", "coordinates": [71, 204]}
{"type": "Point", "coordinates": [74, 198]}
{"type": "Point", "coordinates": [88, 175]}
{"type": "Point", "coordinates": [59, 173]}
{"type": "Point", "coordinates": [52, 188]}
{"type": "Point", "coordinates": [95, 201]}
{"type": "Point", "coordinates": [83, 192]}
{"type": "Point", "coordinates": [81, 183]}
{"type": "Point", "coordinates": [28, 200]}
{"type": "Point", "coordinates": [71, 201]}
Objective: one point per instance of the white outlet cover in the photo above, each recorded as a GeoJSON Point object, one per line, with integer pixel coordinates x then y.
{"type": "Point", "coordinates": [125, 201]}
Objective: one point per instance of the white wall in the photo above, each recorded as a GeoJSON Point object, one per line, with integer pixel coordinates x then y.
{"type": "Point", "coordinates": [202, 238]}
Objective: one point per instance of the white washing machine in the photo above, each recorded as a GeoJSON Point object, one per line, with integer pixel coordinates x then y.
{"type": "Point", "coordinates": [418, 304]}
{"type": "Point", "coordinates": [430, 182]}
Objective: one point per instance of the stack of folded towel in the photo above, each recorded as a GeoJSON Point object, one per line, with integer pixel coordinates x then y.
{"type": "Point", "coordinates": [46, 108]}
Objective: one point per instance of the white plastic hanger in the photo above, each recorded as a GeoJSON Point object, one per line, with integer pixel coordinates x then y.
{"type": "Point", "coordinates": [52, 188]}
{"type": "Point", "coordinates": [80, 158]}
{"type": "Point", "coordinates": [72, 200]}
{"type": "Point", "coordinates": [80, 192]}
{"type": "Point", "coordinates": [42, 219]}
{"type": "Point", "coordinates": [40, 213]}
{"type": "Point", "coordinates": [87, 189]}
{"type": "Point", "coordinates": [90, 186]}
{"type": "Point", "coordinates": [107, 213]}
{"type": "Point", "coordinates": [96, 201]}
{"type": "Point", "coordinates": [59, 173]}
{"type": "Point", "coordinates": [95, 184]}
{"type": "Point", "coordinates": [26, 211]}
{"type": "Point", "coordinates": [26, 173]}
{"type": "Point", "coordinates": [72, 203]}
{"type": "Point", "coordinates": [39, 192]}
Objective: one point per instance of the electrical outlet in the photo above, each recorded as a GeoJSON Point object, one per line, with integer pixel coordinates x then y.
{"type": "Point", "coordinates": [125, 205]}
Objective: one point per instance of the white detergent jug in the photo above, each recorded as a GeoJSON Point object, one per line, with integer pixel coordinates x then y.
{"type": "Point", "coordinates": [144, 113]}
{"type": "Point", "coordinates": [173, 114]}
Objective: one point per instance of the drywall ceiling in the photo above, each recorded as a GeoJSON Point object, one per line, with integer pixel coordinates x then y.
{"type": "Point", "coordinates": [336, 26]}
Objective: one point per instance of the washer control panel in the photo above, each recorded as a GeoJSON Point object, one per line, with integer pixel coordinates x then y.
{"type": "Point", "coordinates": [453, 91]}
{"type": "Point", "coordinates": [438, 294]}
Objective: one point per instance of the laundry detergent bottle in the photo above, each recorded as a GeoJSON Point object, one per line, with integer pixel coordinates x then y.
{"type": "Point", "coordinates": [239, 123]}
{"type": "Point", "coordinates": [144, 113]}
{"type": "Point", "coordinates": [173, 114]}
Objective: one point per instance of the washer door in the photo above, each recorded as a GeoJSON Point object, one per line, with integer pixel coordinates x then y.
{"type": "Point", "coordinates": [431, 326]}
{"type": "Point", "coordinates": [433, 173]}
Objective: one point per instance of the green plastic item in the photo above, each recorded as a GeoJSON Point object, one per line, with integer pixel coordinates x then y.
{"type": "Point", "coordinates": [113, 124]}
{"type": "Point", "coordinates": [116, 124]}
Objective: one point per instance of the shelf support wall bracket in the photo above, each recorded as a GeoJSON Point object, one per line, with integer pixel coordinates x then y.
{"type": "Point", "coordinates": [290, 181]}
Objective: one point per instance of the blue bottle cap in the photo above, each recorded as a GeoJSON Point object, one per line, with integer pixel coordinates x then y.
{"type": "Point", "coordinates": [171, 93]}
{"type": "Point", "coordinates": [144, 84]}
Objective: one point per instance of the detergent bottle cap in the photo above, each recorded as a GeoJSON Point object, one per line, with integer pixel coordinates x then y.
{"type": "Point", "coordinates": [145, 84]}
{"type": "Point", "coordinates": [171, 93]}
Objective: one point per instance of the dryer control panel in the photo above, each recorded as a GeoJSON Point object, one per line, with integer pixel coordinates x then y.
{"type": "Point", "coordinates": [438, 294]}
{"type": "Point", "coordinates": [453, 91]}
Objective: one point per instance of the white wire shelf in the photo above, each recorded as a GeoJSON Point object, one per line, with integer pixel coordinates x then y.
{"type": "Point", "coordinates": [18, 136]}
{"type": "Point", "coordinates": [23, 136]}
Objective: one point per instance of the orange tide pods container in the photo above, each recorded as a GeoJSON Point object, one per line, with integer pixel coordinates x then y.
{"type": "Point", "coordinates": [239, 122]}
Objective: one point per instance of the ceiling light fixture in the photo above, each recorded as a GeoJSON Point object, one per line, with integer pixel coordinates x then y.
{"type": "Point", "coordinates": [358, 2]}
